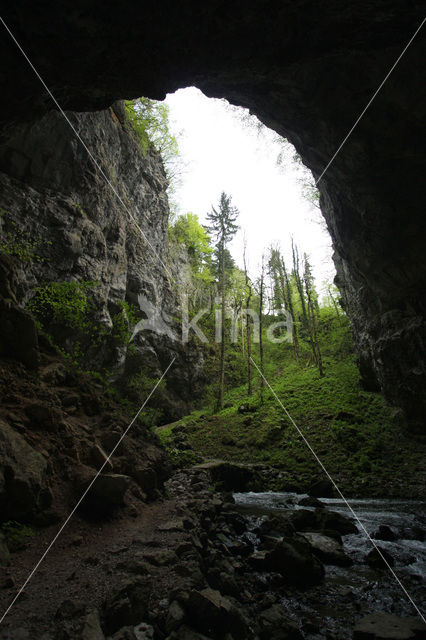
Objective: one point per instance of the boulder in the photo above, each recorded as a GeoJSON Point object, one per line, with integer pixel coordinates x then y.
{"type": "Point", "coordinates": [414, 533]}
{"type": "Point", "coordinates": [384, 533]}
{"type": "Point", "coordinates": [147, 479]}
{"type": "Point", "coordinates": [310, 501]}
{"type": "Point", "coordinates": [106, 493]}
{"type": "Point", "coordinates": [236, 477]}
{"type": "Point", "coordinates": [99, 458]}
{"type": "Point", "coordinates": [383, 626]}
{"type": "Point", "coordinates": [276, 526]}
{"type": "Point", "coordinates": [293, 559]}
{"type": "Point", "coordinates": [321, 520]}
{"type": "Point", "coordinates": [273, 625]}
{"type": "Point", "coordinates": [23, 477]}
{"type": "Point", "coordinates": [322, 489]}
{"type": "Point", "coordinates": [111, 487]}
{"type": "Point", "coordinates": [18, 334]}
{"type": "Point", "coordinates": [376, 558]}
{"type": "Point", "coordinates": [175, 616]}
{"type": "Point", "coordinates": [215, 615]}
{"type": "Point", "coordinates": [327, 549]}
{"type": "Point", "coordinates": [92, 627]}
{"type": "Point", "coordinates": [44, 416]}
{"type": "Point", "coordinates": [236, 521]}
{"type": "Point", "coordinates": [128, 604]}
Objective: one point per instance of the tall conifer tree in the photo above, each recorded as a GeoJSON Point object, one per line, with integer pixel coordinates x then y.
{"type": "Point", "coordinates": [222, 227]}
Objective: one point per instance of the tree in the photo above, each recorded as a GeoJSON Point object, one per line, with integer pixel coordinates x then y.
{"type": "Point", "coordinates": [261, 304]}
{"type": "Point", "coordinates": [222, 228]}
{"type": "Point", "coordinates": [148, 121]}
{"type": "Point", "coordinates": [283, 291]}
{"type": "Point", "coordinates": [188, 231]}
{"type": "Point", "coordinates": [312, 310]}
{"type": "Point", "coordinates": [299, 286]}
{"type": "Point", "coordinates": [249, 295]}
{"type": "Point", "coordinates": [236, 288]}
{"type": "Point", "coordinates": [222, 256]}
{"type": "Point", "coordinates": [309, 304]}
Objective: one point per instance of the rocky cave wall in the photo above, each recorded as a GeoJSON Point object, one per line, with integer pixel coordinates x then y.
{"type": "Point", "coordinates": [307, 69]}
{"type": "Point", "coordinates": [55, 199]}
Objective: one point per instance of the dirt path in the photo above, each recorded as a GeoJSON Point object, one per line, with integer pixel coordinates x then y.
{"type": "Point", "coordinates": [81, 565]}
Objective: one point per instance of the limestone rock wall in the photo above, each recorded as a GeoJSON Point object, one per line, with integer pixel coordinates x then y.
{"type": "Point", "coordinates": [103, 221]}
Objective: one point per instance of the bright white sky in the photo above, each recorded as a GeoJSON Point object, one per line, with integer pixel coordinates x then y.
{"type": "Point", "coordinates": [221, 154]}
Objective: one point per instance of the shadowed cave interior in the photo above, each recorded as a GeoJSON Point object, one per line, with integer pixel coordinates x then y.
{"type": "Point", "coordinates": [306, 70]}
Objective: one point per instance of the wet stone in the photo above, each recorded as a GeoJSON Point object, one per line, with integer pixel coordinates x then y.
{"type": "Point", "coordinates": [383, 626]}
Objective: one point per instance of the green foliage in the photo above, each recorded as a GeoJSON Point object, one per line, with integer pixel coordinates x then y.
{"type": "Point", "coordinates": [64, 303]}
{"type": "Point", "coordinates": [229, 263]}
{"type": "Point", "coordinates": [180, 459]}
{"type": "Point", "coordinates": [65, 314]}
{"type": "Point", "coordinates": [188, 231]}
{"type": "Point", "coordinates": [183, 459]}
{"type": "Point", "coordinates": [136, 389]}
{"type": "Point", "coordinates": [123, 320]}
{"type": "Point", "coordinates": [16, 535]}
{"type": "Point", "coordinates": [16, 242]}
{"type": "Point", "coordinates": [350, 429]}
{"type": "Point", "coordinates": [222, 221]}
{"type": "Point", "coordinates": [148, 121]}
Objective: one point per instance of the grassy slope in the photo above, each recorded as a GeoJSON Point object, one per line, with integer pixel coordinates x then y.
{"type": "Point", "coordinates": [351, 430]}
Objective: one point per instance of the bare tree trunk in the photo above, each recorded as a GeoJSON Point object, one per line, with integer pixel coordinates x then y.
{"type": "Point", "coordinates": [312, 314]}
{"type": "Point", "coordinates": [261, 294]}
{"type": "Point", "coordinates": [219, 406]}
{"type": "Point", "coordinates": [314, 333]}
{"type": "Point", "coordinates": [242, 335]}
{"type": "Point", "coordinates": [249, 363]}
{"type": "Point", "coordinates": [288, 299]}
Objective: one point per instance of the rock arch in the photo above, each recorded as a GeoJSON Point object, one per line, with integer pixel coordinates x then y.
{"type": "Point", "coordinates": [307, 69]}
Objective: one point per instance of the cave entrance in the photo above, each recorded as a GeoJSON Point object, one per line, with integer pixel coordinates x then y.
{"type": "Point", "coordinates": [307, 72]}
{"type": "Point", "coordinates": [225, 148]}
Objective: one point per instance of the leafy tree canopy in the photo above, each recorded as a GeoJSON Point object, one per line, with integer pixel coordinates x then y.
{"type": "Point", "coordinates": [188, 231]}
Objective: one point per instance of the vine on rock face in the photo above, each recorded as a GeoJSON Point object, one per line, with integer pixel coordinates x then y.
{"type": "Point", "coordinates": [16, 242]}
{"type": "Point", "coordinates": [62, 302]}
{"type": "Point", "coordinates": [65, 312]}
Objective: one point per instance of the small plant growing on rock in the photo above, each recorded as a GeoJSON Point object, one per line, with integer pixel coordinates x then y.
{"type": "Point", "coordinates": [65, 303]}
{"type": "Point", "coordinates": [16, 535]}
{"type": "Point", "coordinates": [16, 242]}
{"type": "Point", "coordinates": [122, 321]}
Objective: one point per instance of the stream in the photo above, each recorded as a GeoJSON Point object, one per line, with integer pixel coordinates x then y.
{"type": "Point", "coordinates": [351, 592]}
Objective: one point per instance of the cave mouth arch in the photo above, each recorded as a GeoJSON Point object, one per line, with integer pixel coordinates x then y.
{"type": "Point", "coordinates": [307, 71]}
{"type": "Point", "coordinates": [224, 148]}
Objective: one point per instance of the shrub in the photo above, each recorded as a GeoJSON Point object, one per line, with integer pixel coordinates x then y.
{"type": "Point", "coordinates": [16, 242]}
{"type": "Point", "coordinates": [16, 534]}
{"type": "Point", "coordinates": [64, 303]}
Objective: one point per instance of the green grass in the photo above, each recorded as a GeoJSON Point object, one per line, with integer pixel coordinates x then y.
{"type": "Point", "coordinates": [350, 429]}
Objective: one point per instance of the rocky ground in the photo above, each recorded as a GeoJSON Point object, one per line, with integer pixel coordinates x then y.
{"type": "Point", "coordinates": [56, 427]}
{"type": "Point", "coordinates": [190, 567]}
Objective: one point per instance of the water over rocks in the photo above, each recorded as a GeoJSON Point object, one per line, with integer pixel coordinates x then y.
{"type": "Point", "coordinates": [196, 568]}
